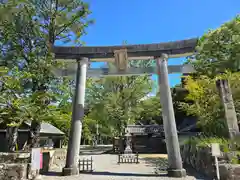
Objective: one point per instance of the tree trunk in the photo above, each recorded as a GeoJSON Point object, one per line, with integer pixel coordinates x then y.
{"type": "Point", "coordinates": [11, 136]}
{"type": "Point", "coordinates": [34, 135]}
{"type": "Point", "coordinates": [33, 142]}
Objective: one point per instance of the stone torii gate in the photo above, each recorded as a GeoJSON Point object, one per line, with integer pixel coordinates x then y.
{"type": "Point", "coordinates": [120, 56]}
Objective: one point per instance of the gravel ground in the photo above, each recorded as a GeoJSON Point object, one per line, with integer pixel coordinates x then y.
{"type": "Point", "coordinates": [106, 168]}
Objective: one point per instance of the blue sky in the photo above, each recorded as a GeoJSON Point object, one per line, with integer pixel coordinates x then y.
{"type": "Point", "coordinates": [154, 21]}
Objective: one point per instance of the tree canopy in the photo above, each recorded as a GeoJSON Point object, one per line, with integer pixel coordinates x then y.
{"type": "Point", "coordinates": [28, 30]}
{"type": "Point", "coordinates": [117, 101]}
{"type": "Point", "coordinates": [218, 50]}
{"type": "Point", "coordinates": [218, 56]}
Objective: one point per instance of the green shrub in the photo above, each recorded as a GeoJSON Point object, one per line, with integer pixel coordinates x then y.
{"type": "Point", "coordinates": [202, 141]}
{"type": "Point", "coordinates": [235, 160]}
{"type": "Point", "coordinates": [226, 146]}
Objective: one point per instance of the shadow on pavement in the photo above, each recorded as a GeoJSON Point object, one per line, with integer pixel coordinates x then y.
{"type": "Point", "coordinates": [197, 175]}
{"type": "Point", "coordinates": [106, 173]}
{"type": "Point", "coordinates": [52, 173]}
{"type": "Point", "coordinates": [161, 165]}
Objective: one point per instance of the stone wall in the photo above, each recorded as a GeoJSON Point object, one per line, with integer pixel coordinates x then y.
{"type": "Point", "coordinates": [18, 157]}
{"type": "Point", "coordinates": [13, 171]}
{"type": "Point", "coordinates": [14, 166]}
{"type": "Point", "coordinates": [229, 171]}
{"type": "Point", "coordinates": [201, 160]}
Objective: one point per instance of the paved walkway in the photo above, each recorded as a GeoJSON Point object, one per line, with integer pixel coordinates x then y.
{"type": "Point", "coordinates": [106, 168]}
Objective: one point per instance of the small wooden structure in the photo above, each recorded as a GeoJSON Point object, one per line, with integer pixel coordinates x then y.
{"type": "Point", "coordinates": [128, 158]}
{"type": "Point", "coordinates": [86, 165]}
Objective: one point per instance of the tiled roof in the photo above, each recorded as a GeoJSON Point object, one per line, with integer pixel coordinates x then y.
{"type": "Point", "coordinates": [48, 128]}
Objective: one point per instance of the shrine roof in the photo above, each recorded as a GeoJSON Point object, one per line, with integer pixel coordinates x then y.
{"type": "Point", "coordinates": [47, 128]}
{"type": "Point", "coordinates": [145, 129]}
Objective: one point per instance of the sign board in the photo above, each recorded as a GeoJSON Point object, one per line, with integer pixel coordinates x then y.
{"type": "Point", "coordinates": [36, 160]}
{"type": "Point", "coordinates": [41, 160]}
{"type": "Point", "coordinates": [216, 152]}
{"type": "Point", "coordinates": [215, 149]}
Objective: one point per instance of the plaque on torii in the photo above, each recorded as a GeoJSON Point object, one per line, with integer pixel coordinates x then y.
{"type": "Point", "coordinates": [121, 59]}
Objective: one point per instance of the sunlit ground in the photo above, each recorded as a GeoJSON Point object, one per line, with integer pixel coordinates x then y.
{"type": "Point", "coordinates": [153, 156]}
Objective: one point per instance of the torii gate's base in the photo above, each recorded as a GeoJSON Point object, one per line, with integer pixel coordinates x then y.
{"type": "Point", "coordinates": [70, 171]}
{"type": "Point", "coordinates": [177, 173]}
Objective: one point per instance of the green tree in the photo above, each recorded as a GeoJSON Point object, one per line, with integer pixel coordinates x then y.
{"type": "Point", "coordinates": [116, 100]}
{"type": "Point", "coordinates": [29, 29]}
{"type": "Point", "coordinates": [13, 104]}
{"type": "Point", "coordinates": [60, 114]}
{"type": "Point", "coordinates": [206, 104]}
{"type": "Point", "coordinates": [150, 111]}
{"type": "Point", "coordinates": [178, 97]}
{"type": "Point", "coordinates": [219, 50]}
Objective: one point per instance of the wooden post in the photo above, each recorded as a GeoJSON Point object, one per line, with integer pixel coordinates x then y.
{"type": "Point", "coordinates": [91, 163]}
{"type": "Point", "coordinates": [137, 158]}
{"type": "Point", "coordinates": [87, 164]}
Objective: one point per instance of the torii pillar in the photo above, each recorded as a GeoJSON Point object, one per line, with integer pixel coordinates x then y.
{"type": "Point", "coordinates": [175, 167]}
{"type": "Point", "coordinates": [71, 167]}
